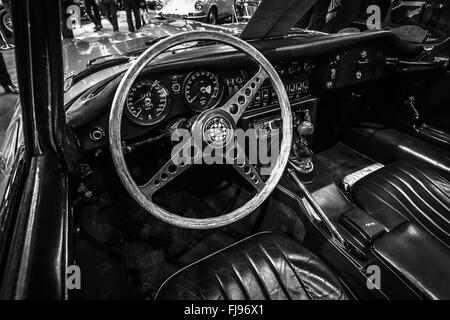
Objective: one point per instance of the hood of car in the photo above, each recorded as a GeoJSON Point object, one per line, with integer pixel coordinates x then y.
{"type": "Point", "coordinates": [78, 52]}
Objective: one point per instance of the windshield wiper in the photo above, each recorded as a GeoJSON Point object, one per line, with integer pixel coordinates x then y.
{"type": "Point", "coordinates": [152, 42]}
{"type": "Point", "coordinates": [148, 44]}
{"type": "Point", "coordinates": [109, 58]}
{"type": "Point", "coordinates": [93, 65]}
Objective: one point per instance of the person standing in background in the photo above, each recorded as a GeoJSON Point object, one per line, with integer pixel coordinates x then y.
{"type": "Point", "coordinates": [94, 14]}
{"type": "Point", "coordinates": [5, 78]}
{"type": "Point", "coordinates": [109, 9]}
{"type": "Point", "coordinates": [132, 5]}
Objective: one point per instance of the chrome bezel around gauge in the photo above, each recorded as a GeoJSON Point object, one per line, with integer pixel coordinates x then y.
{"type": "Point", "coordinates": [218, 98]}
{"type": "Point", "coordinates": [159, 117]}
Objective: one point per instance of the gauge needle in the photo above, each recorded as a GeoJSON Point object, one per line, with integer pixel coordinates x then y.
{"type": "Point", "coordinates": [139, 100]}
{"type": "Point", "coordinates": [198, 94]}
{"type": "Point", "coordinates": [137, 114]}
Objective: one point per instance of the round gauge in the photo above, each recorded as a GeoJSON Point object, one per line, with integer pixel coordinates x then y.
{"type": "Point", "coordinates": [147, 102]}
{"type": "Point", "coordinates": [202, 90]}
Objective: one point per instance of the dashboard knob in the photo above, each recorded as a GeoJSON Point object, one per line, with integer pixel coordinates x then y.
{"type": "Point", "coordinates": [97, 134]}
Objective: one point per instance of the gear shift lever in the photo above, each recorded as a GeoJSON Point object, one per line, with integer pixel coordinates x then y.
{"type": "Point", "coordinates": [301, 157]}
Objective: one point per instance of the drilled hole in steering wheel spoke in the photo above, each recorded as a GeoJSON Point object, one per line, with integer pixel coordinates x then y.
{"type": "Point", "coordinates": [234, 109]}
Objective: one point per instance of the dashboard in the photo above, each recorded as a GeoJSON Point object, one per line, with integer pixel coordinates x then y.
{"type": "Point", "coordinates": [157, 99]}
{"type": "Point", "coordinates": [183, 89]}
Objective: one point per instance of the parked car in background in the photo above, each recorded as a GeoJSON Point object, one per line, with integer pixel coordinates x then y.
{"type": "Point", "coordinates": [152, 4]}
{"type": "Point", "coordinates": [209, 11]}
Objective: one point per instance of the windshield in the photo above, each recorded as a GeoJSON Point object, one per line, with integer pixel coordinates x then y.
{"type": "Point", "coordinates": [108, 30]}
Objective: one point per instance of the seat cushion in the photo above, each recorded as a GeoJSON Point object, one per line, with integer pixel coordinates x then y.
{"type": "Point", "coordinates": [267, 266]}
{"type": "Point", "coordinates": [407, 192]}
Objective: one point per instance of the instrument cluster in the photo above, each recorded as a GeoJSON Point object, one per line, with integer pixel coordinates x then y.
{"type": "Point", "coordinates": [149, 100]}
{"type": "Point", "coordinates": [155, 98]}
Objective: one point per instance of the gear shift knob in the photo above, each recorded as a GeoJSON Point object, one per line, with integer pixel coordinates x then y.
{"type": "Point", "coordinates": [305, 129]}
{"type": "Point", "coordinates": [301, 157]}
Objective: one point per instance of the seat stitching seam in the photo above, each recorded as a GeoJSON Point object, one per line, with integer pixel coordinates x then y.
{"type": "Point", "coordinates": [435, 172]}
{"type": "Point", "coordinates": [386, 203]}
{"type": "Point", "coordinates": [221, 286]}
{"type": "Point", "coordinates": [432, 182]}
{"type": "Point", "coordinates": [428, 191]}
{"type": "Point", "coordinates": [239, 281]}
{"type": "Point", "coordinates": [295, 272]}
{"type": "Point", "coordinates": [414, 205]}
{"type": "Point", "coordinates": [275, 272]}
{"type": "Point", "coordinates": [411, 216]}
{"type": "Point", "coordinates": [390, 193]}
{"type": "Point", "coordinates": [258, 279]}
{"type": "Point", "coordinates": [420, 199]}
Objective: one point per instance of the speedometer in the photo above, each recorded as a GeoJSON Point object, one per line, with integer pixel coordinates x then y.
{"type": "Point", "coordinates": [202, 90]}
{"type": "Point", "coordinates": [147, 102]}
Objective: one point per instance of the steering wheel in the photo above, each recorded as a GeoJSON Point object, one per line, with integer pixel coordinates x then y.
{"type": "Point", "coordinates": [224, 118]}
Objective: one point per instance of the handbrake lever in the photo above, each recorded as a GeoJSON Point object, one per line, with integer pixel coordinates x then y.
{"type": "Point", "coordinates": [319, 213]}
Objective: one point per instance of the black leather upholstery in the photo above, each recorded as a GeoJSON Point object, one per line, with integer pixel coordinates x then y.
{"type": "Point", "coordinates": [265, 266]}
{"type": "Point", "coordinates": [407, 192]}
{"type": "Point", "coordinates": [421, 260]}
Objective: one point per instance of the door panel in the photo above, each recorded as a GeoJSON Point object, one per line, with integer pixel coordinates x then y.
{"type": "Point", "coordinates": [36, 264]}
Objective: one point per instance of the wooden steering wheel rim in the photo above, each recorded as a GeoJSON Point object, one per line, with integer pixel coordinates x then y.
{"type": "Point", "coordinates": [115, 139]}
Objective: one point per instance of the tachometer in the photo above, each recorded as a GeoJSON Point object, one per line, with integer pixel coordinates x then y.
{"type": "Point", "coordinates": [147, 102]}
{"type": "Point", "coordinates": [202, 90]}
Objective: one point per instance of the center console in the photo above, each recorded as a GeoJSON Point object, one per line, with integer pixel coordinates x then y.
{"type": "Point", "coordinates": [304, 112]}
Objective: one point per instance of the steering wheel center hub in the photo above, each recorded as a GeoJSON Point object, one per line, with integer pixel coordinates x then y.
{"type": "Point", "coordinates": [218, 131]}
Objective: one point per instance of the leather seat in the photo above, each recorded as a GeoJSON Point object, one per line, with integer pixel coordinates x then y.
{"type": "Point", "coordinates": [267, 266]}
{"type": "Point", "coordinates": [407, 192]}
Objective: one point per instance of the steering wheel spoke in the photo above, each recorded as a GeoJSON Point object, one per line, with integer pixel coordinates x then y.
{"type": "Point", "coordinates": [249, 172]}
{"type": "Point", "coordinates": [164, 176]}
{"type": "Point", "coordinates": [237, 105]}
{"type": "Point", "coordinates": [246, 169]}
